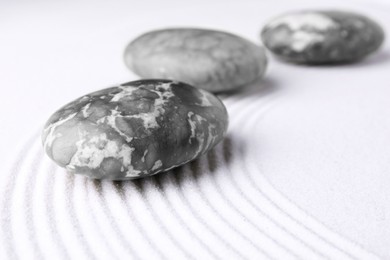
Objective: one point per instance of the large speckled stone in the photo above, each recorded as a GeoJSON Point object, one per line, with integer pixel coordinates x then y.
{"type": "Point", "coordinates": [322, 37]}
{"type": "Point", "coordinates": [136, 129]}
{"type": "Point", "coordinates": [212, 60]}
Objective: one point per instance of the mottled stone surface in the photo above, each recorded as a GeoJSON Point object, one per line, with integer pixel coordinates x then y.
{"type": "Point", "coordinates": [322, 37]}
{"type": "Point", "coordinates": [136, 129]}
{"type": "Point", "coordinates": [212, 60]}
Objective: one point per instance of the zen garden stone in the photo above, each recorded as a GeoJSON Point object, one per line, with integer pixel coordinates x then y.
{"type": "Point", "coordinates": [134, 130]}
{"type": "Point", "coordinates": [212, 60]}
{"type": "Point", "coordinates": [322, 37]}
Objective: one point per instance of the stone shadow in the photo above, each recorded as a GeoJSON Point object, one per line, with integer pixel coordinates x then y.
{"type": "Point", "coordinates": [378, 58]}
{"type": "Point", "coordinates": [263, 86]}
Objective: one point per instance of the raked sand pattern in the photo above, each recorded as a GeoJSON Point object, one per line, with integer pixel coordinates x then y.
{"type": "Point", "coordinates": [219, 206]}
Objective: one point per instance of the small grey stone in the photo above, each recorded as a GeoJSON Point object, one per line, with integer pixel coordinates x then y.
{"type": "Point", "coordinates": [136, 129]}
{"type": "Point", "coordinates": [212, 60]}
{"type": "Point", "coordinates": [322, 37]}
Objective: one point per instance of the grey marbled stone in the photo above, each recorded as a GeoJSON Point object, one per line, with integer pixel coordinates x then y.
{"type": "Point", "coordinates": [322, 37]}
{"type": "Point", "coordinates": [136, 129]}
{"type": "Point", "coordinates": [212, 60]}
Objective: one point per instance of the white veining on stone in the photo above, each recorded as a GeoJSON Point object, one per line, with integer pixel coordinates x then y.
{"type": "Point", "coordinates": [200, 137]}
{"type": "Point", "coordinates": [126, 91]}
{"type": "Point", "coordinates": [157, 165]}
{"type": "Point", "coordinates": [143, 157]}
{"type": "Point", "coordinates": [192, 125]}
{"type": "Point", "coordinates": [301, 39]}
{"type": "Point", "coordinates": [306, 29]}
{"type": "Point", "coordinates": [84, 110]}
{"type": "Point", "coordinates": [205, 99]}
{"type": "Point", "coordinates": [110, 120]}
{"type": "Point", "coordinates": [150, 117]}
{"type": "Point", "coordinates": [299, 21]}
{"type": "Point", "coordinates": [52, 127]}
{"type": "Point", "coordinates": [91, 153]}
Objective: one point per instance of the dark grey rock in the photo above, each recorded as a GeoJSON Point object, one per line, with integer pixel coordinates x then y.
{"type": "Point", "coordinates": [136, 129]}
{"type": "Point", "coordinates": [322, 37]}
{"type": "Point", "coordinates": [212, 60]}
